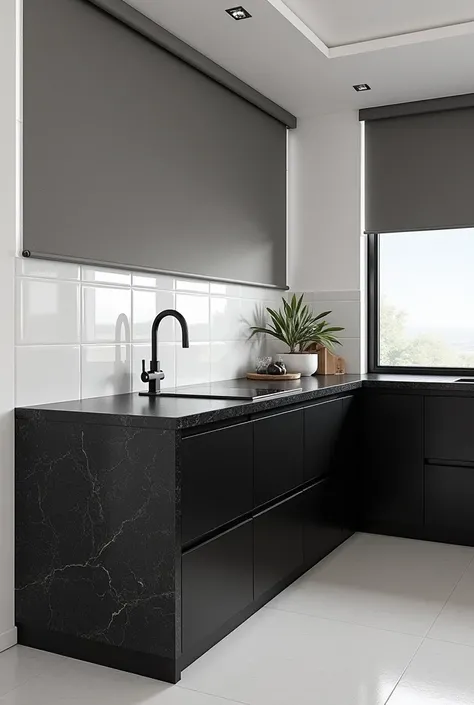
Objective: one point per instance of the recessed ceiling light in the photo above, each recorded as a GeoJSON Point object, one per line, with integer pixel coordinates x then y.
{"type": "Point", "coordinates": [362, 87]}
{"type": "Point", "coordinates": [238, 13]}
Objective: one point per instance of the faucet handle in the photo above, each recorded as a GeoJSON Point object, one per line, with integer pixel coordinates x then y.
{"type": "Point", "coordinates": [145, 376]}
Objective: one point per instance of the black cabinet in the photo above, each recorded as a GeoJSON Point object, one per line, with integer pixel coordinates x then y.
{"type": "Point", "coordinates": [449, 502]}
{"type": "Point", "coordinates": [278, 544]}
{"type": "Point", "coordinates": [449, 428]}
{"type": "Point", "coordinates": [391, 491]}
{"type": "Point", "coordinates": [217, 479]}
{"type": "Point", "coordinates": [325, 525]}
{"type": "Point", "coordinates": [217, 583]}
{"type": "Point", "coordinates": [323, 425]}
{"type": "Point", "coordinates": [278, 455]}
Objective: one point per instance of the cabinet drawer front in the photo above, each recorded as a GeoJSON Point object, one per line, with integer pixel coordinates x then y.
{"type": "Point", "coordinates": [449, 428]}
{"type": "Point", "coordinates": [449, 498]}
{"type": "Point", "coordinates": [217, 479]}
{"type": "Point", "coordinates": [278, 544]}
{"type": "Point", "coordinates": [322, 429]}
{"type": "Point", "coordinates": [278, 455]}
{"type": "Point", "coordinates": [325, 521]}
{"type": "Point", "coordinates": [217, 583]}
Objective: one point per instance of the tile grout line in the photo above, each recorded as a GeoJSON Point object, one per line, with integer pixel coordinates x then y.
{"type": "Point", "coordinates": [211, 695]}
{"type": "Point", "coordinates": [344, 621]}
{"type": "Point", "coordinates": [449, 597]}
{"type": "Point", "coordinates": [405, 670]}
{"type": "Point", "coordinates": [426, 637]}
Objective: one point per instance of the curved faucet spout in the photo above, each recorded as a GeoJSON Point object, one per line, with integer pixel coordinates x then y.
{"type": "Point", "coordinates": [156, 323]}
{"type": "Point", "coordinates": [155, 375]}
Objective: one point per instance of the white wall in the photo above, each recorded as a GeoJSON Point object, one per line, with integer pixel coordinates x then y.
{"type": "Point", "coordinates": [8, 141]}
{"type": "Point", "coordinates": [325, 223]}
{"type": "Point", "coordinates": [83, 331]}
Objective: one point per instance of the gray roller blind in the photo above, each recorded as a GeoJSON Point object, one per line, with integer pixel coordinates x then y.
{"type": "Point", "coordinates": [420, 171]}
{"type": "Point", "coordinates": [133, 158]}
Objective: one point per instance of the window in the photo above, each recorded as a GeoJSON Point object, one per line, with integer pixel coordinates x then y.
{"type": "Point", "coordinates": [422, 301]}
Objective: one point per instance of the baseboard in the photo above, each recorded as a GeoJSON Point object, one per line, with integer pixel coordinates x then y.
{"type": "Point", "coordinates": [8, 639]}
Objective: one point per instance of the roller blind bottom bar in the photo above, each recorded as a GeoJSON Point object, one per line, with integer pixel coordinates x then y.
{"type": "Point", "coordinates": [150, 270]}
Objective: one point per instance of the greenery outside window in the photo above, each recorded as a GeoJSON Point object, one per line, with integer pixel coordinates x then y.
{"type": "Point", "coordinates": [421, 301]}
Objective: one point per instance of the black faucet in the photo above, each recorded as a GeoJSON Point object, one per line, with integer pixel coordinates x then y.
{"type": "Point", "coordinates": [154, 376]}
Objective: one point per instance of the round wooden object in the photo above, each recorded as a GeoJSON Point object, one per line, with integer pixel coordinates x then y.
{"type": "Point", "coordinates": [274, 378]}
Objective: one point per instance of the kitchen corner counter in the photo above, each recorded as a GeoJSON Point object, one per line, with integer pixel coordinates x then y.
{"type": "Point", "coordinates": [174, 413]}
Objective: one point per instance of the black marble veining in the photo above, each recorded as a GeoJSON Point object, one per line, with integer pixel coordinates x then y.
{"type": "Point", "coordinates": [98, 516]}
{"type": "Point", "coordinates": [96, 522]}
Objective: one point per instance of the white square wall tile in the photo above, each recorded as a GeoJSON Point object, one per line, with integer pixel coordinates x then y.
{"type": "Point", "coordinates": [146, 305]}
{"type": "Point", "coordinates": [47, 373]}
{"type": "Point", "coordinates": [222, 289]}
{"type": "Point", "coordinates": [103, 275]}
{"type": "Point", "coordinates": [230, 360]}
{"type": "Point", "coordinates": [106, 314]}
{"type": "Point", "coordinates": [153, 281]}
{"type": "Point", "coordinates": [106, 370]}
{"type": "Point", "coordinates": [47, 312]}
{"type": "Point", "coordinates": [195, 309]}
{"type": "Point", "coordinates": [166, 357]}
{"type": "Point", "coordinates": [193, 364]}
{"type": "Point", "coordinates": [253, 313]}
{"type": "Point", "coordinates": [226, 318]}
{"type": "Point", "coordinates": [30, 267]}
{"type": "Point", "coordinates": [198, 286]}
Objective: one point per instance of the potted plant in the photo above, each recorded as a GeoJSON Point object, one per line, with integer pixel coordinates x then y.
{"type": "Point", "coordinates": [295, 325]}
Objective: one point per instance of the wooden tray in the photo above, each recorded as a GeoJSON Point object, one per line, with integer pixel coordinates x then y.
{"type": "Point", "coordinates": [274, 378]}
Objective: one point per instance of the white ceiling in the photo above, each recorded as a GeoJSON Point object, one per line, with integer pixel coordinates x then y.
{"type": "Point", "coordinates": [281, 56]}
{"type": "Point", "coordinates": [339, 22]}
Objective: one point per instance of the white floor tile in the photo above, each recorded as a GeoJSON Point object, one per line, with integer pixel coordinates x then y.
{"type": "Point", "coordinates": [281, 658]}
{"type": "Point", "coordinates": [19, 664]}
{"type": "Point", "coordinates": [440, 674]}
{"type": "Point", "coordinates": [79, 683]}
{"type": "Point", "coordinates": [380, 581]}
{"type": "Point", "coordinates": [456, 621]}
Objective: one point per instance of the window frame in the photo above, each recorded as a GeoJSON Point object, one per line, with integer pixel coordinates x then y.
{"type": "Point", "coordinates": [373, 328]}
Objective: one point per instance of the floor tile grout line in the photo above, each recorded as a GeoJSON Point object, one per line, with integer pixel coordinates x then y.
{"type": "Point", "coordinates": [447, 641]}
{"type": "Point", "coordinates": [426, 637]}
{"type": "Point", "coordinates": [449, 597]}
{"type": "Point", "coordinates": [405, 670]}
{"type": "Point", "coordinates": [345, 621]}
{"type": "Point", "coordinates": [211, 695]}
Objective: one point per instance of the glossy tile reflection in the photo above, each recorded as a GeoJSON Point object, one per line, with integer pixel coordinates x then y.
{"type": "Point", "coordinates": [284, 654]}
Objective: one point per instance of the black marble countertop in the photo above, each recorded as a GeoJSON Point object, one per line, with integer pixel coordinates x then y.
{"type": "Point", "coordinates": [184, 412]}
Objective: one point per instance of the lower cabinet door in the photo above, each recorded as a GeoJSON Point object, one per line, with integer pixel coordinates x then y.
{"type": "Point", "coordinates": [278, 544]}
{"type": "Point", "coordinates": [325, 525]}
{"type": "Point", "coordinates": [217, 583]}
{"type": "Point", "coordinates": [449, 502]}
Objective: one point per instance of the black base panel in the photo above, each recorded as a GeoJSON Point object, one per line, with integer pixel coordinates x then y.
{"type": "Point", "coordinates": [422, 533]}
{"type": "Point", "coordinates": [103, 654]}
{"type": "Point", "coordinates": [199, 649]}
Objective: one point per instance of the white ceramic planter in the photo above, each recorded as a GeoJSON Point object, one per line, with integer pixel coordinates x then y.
{"type": "Point", "coordinates": [306, 363]}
